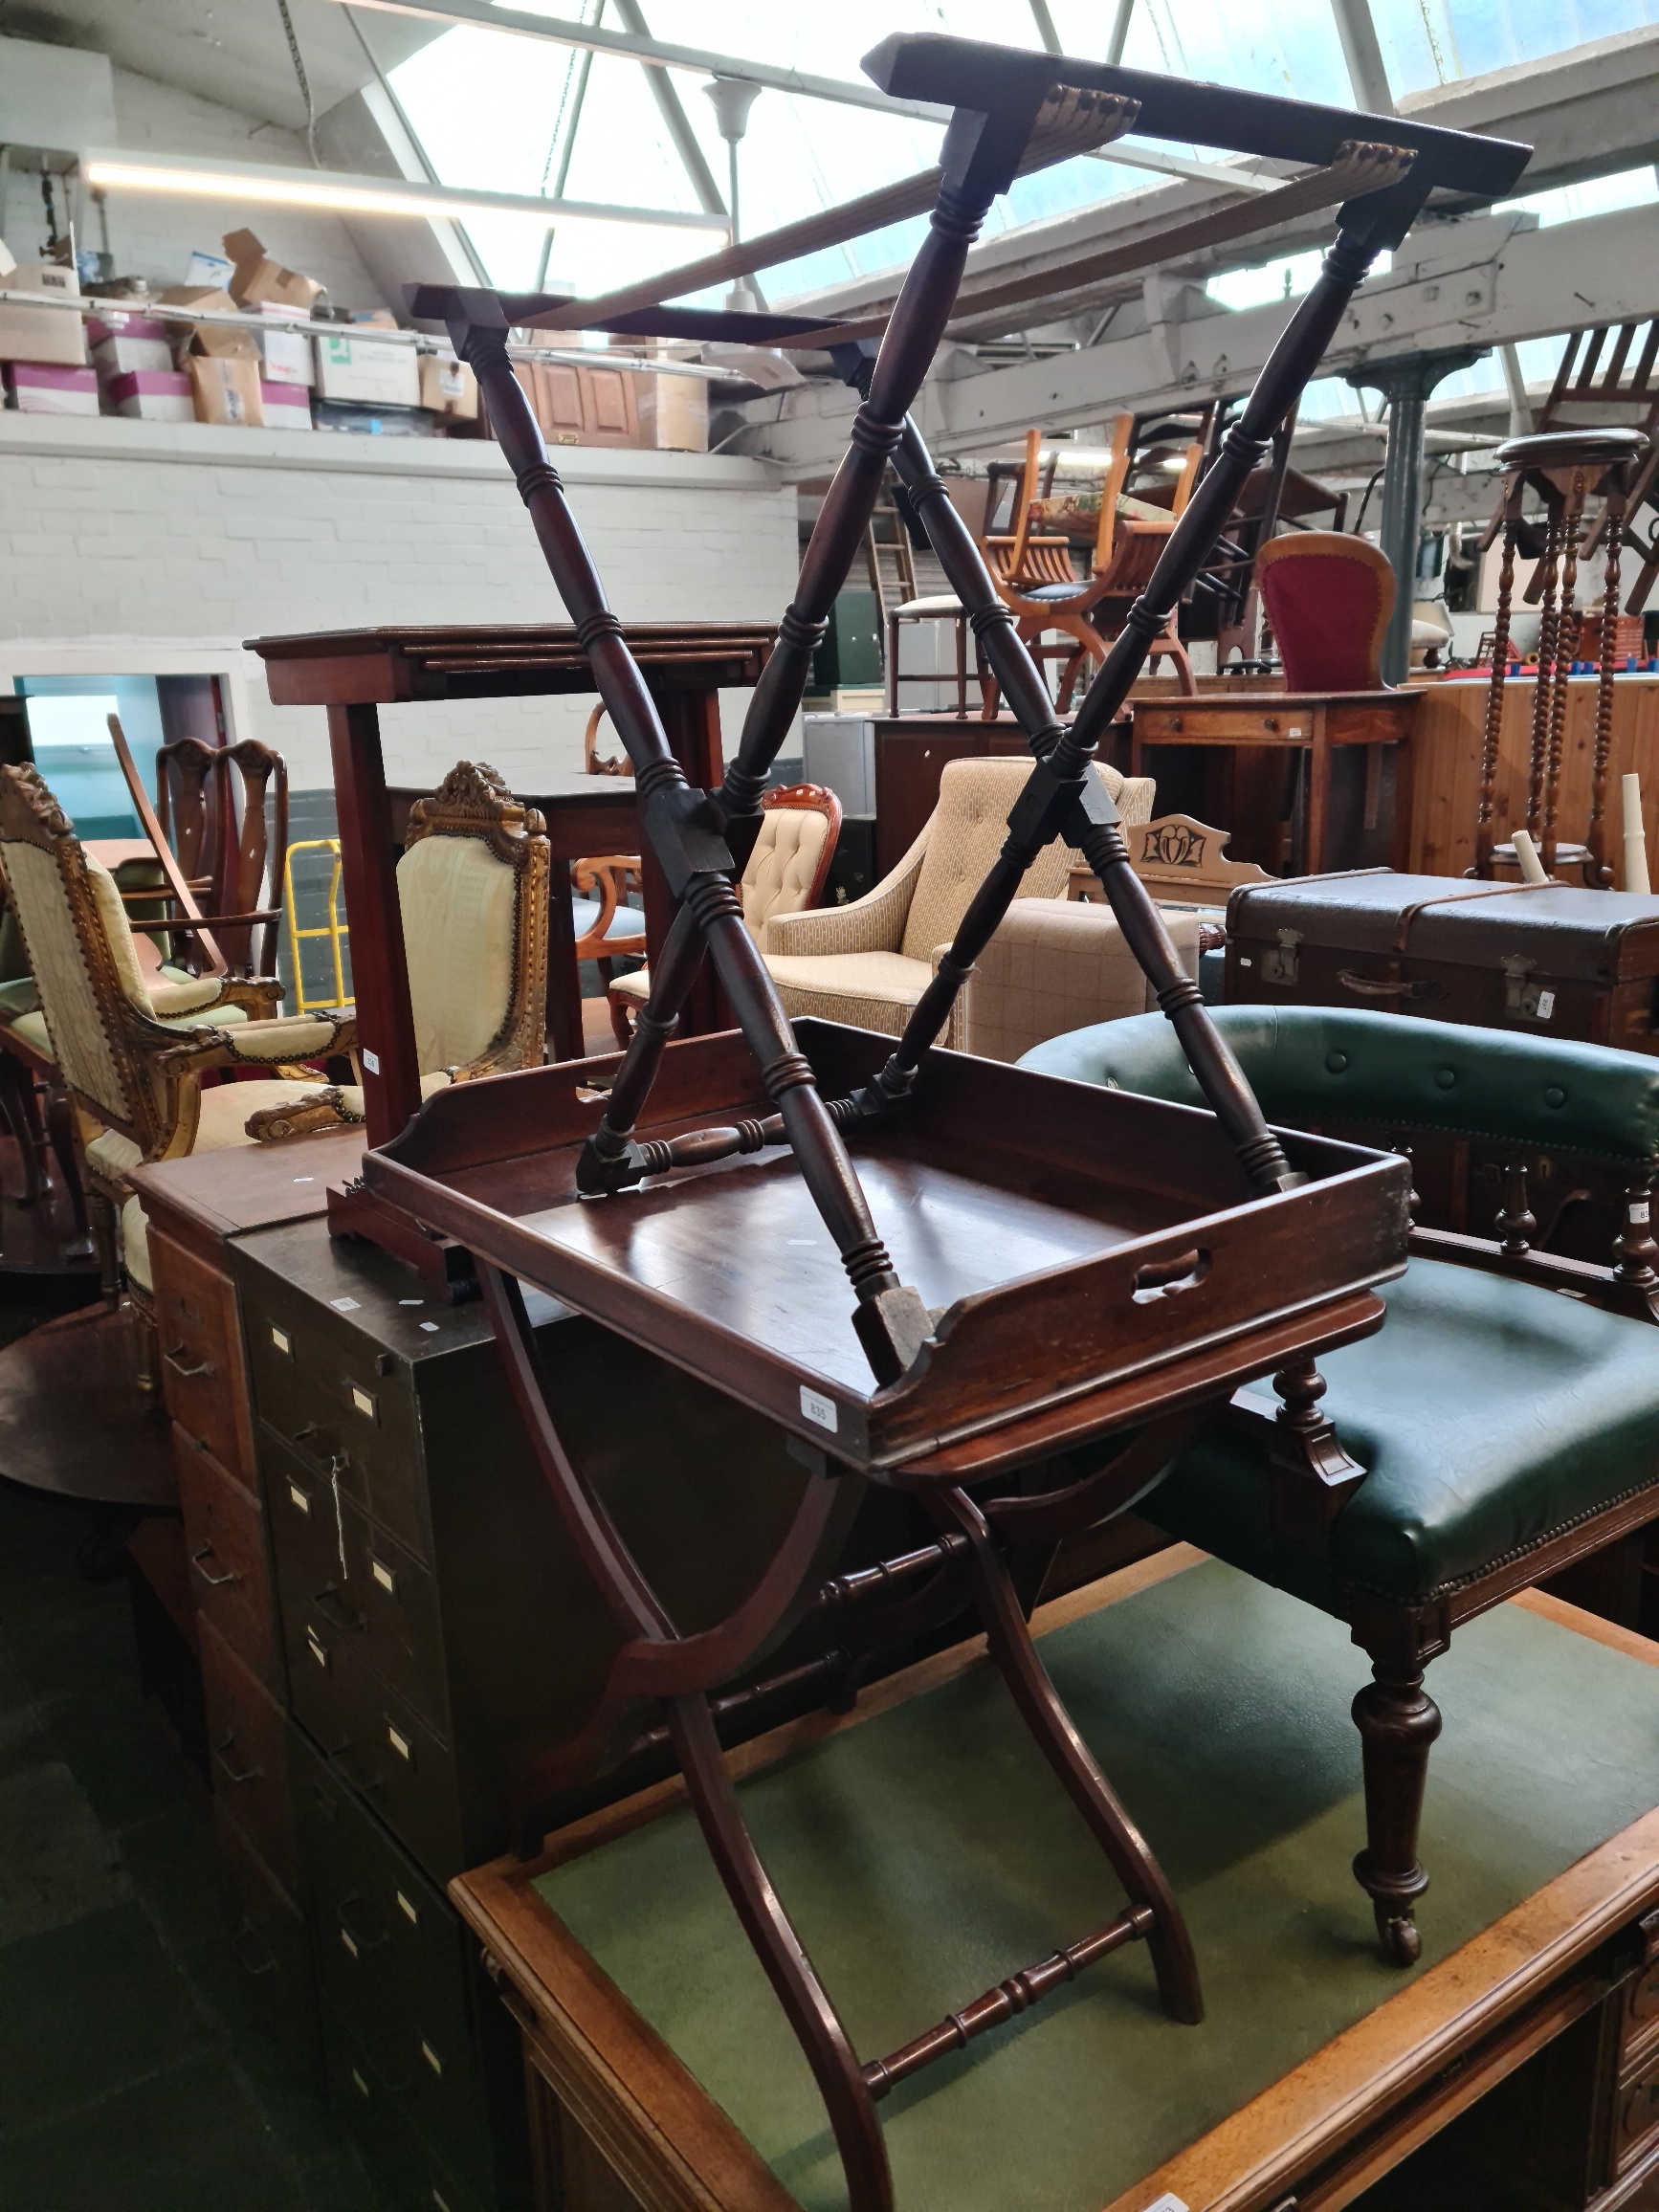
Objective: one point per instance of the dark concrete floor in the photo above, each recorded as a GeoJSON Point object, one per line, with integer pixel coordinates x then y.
{"type": "Point", "coordinates": [133, 2074]}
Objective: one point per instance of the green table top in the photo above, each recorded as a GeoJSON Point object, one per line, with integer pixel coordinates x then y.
{"type": "Point", "coordinates": [927, 1853]}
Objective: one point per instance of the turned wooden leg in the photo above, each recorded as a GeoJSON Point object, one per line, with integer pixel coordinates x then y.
{"type": "Point", "coordinates": [1398, 1722]}
{"type": "Point", "coordinates": [60, 1131]}
{"type": "Point", "coordinates": [21, 1117]}
{"type": "Point", "coordinates": [106, 1241]}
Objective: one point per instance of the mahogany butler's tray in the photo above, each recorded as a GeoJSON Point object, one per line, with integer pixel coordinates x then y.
{"type": "Point", "coordinates": [1086, 1253]}
{"type": "Point", "coordinates": [1031, 1263]}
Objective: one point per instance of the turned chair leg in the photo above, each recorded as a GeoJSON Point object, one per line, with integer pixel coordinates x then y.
{"type": "Point", "coordinates": [106, 1241]}
{"type": "Point", "coordinates": [60, 1132]}
{"type": "Point", "coordinates": [1398, 1722]}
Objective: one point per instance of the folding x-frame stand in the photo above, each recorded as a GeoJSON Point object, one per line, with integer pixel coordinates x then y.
{"type": "Point", "coordinates": [700, 839]}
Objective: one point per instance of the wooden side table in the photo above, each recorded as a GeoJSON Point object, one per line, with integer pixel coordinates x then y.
{"type": "Point", "coordinates": [1312, 722]}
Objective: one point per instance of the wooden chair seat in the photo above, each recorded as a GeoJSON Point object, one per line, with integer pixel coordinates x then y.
{"type": "Point", "coordinates": [1494, 1432]}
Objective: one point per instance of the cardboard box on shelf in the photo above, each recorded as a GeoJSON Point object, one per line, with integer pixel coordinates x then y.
{"type": "Point", "coordinates": [122, 344]}
{"type": "Point", "coordinates": [287, 406]}
{"type": "Point", "coordinates": [364, 419]}
{"type": "Point", "coordinates": [151, 395]}
{"type": "Point", "coordinates": [50, 335]}
{"type": "Point", "coordinates": [226, 391]}
{"type": "Point", "coordinates": [256, 278]}
{"type": "Point", "coordinates": [221, 340]}
{"type": "Point", "coordinates": [380, 370]}
{"type": "Point", "coordinates": [674, 413]}
{"type": "Point", "coordinates": [44, 388]}
{"type": "Point", "coordinates": [449, 387]}
{"type": "Point", "coordinates": [287, 357]}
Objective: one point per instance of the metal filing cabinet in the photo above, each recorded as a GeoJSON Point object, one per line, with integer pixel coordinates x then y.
{"type": "Point", "coordinates": [437, 1630]}
{"type": "Point", "coordinates": [436, 1625]}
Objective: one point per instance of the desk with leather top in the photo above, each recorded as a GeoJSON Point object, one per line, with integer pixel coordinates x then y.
{"type": "Point", "coordinates": [659, 2079]}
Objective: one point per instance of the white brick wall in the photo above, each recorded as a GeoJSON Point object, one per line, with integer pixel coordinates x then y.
{"type": "Point", "coordinates": [116, 532]}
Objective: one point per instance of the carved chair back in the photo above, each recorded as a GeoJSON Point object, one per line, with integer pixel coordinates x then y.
{"type": "Point", "coordinates": [1182, 861]}
{"type": "Point", "coordinates": [230, 844]}
{"type": "Point", "coordinates": [473, 889]}
{"type": "Point", "coordinates": [82, 957]}
{"type": "Point", "coordinates": [791, 857]}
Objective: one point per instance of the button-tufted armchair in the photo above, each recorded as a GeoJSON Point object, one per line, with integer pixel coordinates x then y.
{"type": "Point", "coordinates": [1053, 965]}
{"type": "Point", "coordinates": [1502, 1426]}
{"type": "Point", "coordinates": [784, 872]}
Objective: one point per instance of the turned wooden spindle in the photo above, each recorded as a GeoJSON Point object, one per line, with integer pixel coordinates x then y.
{"type": "Point", "coordinates": [1635, 1253]}
{"type": "Point", "coordinates": [1596, 836]}
{"type": "Point", "coordinates": [1567, 631]}
{"type": "Point", "coordinates": [1517, 1225]}
{"type": "Point", "coordinates": [1494, 731]}
{"type": "Point", "coordinates": [1561, 469]}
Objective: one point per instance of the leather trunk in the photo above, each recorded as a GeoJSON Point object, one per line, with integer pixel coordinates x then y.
{"type": "Point", "coordinates": [1549, 959]}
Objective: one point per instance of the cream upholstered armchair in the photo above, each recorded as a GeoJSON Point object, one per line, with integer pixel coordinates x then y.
{"type": "Point", "coordinates": [132, 1058]}
{"type": "Point", "coordinates": [869, 963]}
{"type": "Point", "coordinates": [472, 889]}
{"type": "Point", "coordinates": [785, 874]}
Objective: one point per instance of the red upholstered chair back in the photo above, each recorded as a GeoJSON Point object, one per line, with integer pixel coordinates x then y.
{"type": "Point", "coordinates": [1328, 598]}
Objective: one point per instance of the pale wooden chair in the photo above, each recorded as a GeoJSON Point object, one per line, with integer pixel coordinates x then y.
{"type": "Point", "coordinates": [1037, 579]}
{"type": "Point", "coordinates": [786, 872]}
{"type": "Point", "coordinates": [471, 888]}
{"type": "Point", "coordinates": [868, 962]}
{"type": "Point", "coordinates": [131, 1057]}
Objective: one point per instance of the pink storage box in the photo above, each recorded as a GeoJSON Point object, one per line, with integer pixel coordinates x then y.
{"type": "Point", "coordinates": [151, 395]}
{"type": "Point", "coordinates": [35, 388]}
{"type": "Point", "coordinates": [287, 405]}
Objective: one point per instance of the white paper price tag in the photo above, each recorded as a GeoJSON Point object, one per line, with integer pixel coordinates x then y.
{"type": "Point", "coordinates": [822, 1410]}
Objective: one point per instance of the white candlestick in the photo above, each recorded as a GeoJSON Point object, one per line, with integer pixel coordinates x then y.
{"type": "Point", "coordinates": [1532, 868]}
{"type": "Point", "coordinates": [1635, 836]}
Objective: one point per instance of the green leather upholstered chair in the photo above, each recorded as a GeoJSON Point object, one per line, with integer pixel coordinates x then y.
{"type": "Point", "coordinates": [1504, 1422]}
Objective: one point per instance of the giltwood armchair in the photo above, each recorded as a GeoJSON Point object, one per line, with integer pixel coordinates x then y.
{"type": "Point", "coordinates": [1493, 1433]}
{"type": "Point", "coordinates": [472, 889]}
{"type": "Point", "coordinates": [868, 962]}
{"type": "Point", "coordinates": [132, 1060]}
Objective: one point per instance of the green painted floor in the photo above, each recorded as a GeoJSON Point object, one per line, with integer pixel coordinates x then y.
{"type": "Point", "coordinates": [927, 1853]}
{"type": "Point", "coordinates": [133, 2077]}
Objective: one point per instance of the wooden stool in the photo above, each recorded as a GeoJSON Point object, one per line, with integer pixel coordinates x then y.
{"type": "Point", "coordinates": [1563, 467]}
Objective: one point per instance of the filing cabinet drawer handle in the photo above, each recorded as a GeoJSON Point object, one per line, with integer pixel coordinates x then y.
{"type": "Point", "coordinates": [234, 1773]}
{"type": "Point", "coordinates": [364, 1783]}
{"type": "Point", "coordinates": [213, 1581]}
{"type": "Point", "coordinates": [354, 1942]}
{"type": "Point", "coordinates": [238, 1949]}
{"type": "Point", "coordinates": [175, 1359]}
{"type": "Point", "coordinates": [335, 1461]}
{"type": "Point", "coordinates": [335, 1611]}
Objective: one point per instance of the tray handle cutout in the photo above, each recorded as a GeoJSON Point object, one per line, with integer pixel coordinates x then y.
{"type": "Point", "coordinates": [1163, 1278]}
